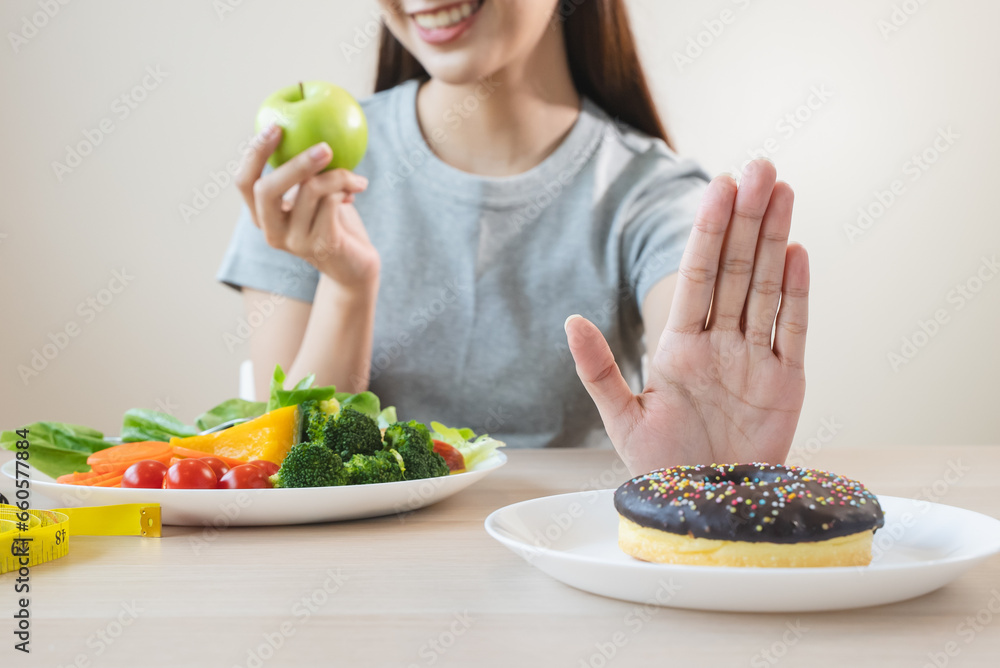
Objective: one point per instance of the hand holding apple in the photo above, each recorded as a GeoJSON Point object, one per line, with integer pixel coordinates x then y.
{"type": "Point", "coordinates": [312, 137]}
{"type": "Point", "coordinates": [313, 112]}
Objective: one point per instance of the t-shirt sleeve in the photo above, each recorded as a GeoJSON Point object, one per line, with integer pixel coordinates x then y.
{"type": "Point", "coordinates": [658, 224]}
{"type": "Point", "coordinates": [250, 262]}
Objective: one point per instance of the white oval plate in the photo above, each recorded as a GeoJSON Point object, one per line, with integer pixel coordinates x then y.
{"type": "Point", "coordinates": [261, 507]}
{"type": "Point", "coordinates": [574, 539]}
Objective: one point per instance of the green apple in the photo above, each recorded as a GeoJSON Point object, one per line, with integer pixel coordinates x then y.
{"type": "Point", "coordinates": [313, 112]}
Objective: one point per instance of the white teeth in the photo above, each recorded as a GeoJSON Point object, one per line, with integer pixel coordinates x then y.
{"type": "Point", "coordinates": [445, 18]}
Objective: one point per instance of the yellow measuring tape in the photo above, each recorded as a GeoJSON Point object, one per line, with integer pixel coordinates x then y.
{"type": "Point", "coordinates": [45, 534]}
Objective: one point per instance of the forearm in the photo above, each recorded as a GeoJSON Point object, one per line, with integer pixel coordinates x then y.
{"type": "Point", "coordinates": [337, 344]}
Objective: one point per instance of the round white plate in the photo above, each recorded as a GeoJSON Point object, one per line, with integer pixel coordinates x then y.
{"type": "Point", "coordinates": [259, 507]}
{"type": "Point", "coordinates": [574, 539]}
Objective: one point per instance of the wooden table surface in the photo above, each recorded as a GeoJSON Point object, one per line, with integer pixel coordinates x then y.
{"type": "Point", "coordinates": [433, 589]}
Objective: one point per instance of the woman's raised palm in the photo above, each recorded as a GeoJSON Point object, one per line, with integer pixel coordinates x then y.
{"type": "Point", "coordinates": [726, 383]}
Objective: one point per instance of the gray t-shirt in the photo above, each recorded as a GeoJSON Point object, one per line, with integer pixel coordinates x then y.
{"type": "Point", "coordinates": [479, 273]}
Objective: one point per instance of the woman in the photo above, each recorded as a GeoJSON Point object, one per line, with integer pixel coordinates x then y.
{"type": "Point", "coordinates": [518, 173]}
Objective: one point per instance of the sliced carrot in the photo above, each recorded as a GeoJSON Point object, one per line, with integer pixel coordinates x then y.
{"type": "Point", "coordinates": [115, 481]}
{"type": "Point", "coordinates": [113, 458]}
{"type": "Point", "coordinates": [188, 453]}
{"type": "Point", "coordinates": [96, 478]}
{"type": "Point", "coordinates": [76, 478]}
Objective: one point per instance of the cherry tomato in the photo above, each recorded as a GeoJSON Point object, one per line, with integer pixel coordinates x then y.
{"type": "Point", "coordinates": [270, 468]}
{"type": "Point", "coordinates": [147, 474]}
{"type": "Point", "coordinates": [219, 466]}
{"type": "Point", "coordinates": [245, 476]}
{"type": "Point", "coordinates": [190, 474]}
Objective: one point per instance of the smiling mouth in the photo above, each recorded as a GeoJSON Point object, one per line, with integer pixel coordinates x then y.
{"type": "Point", "coordinates": [449, 16]}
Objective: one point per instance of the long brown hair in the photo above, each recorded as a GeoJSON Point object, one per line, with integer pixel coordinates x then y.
{"type": "Point", "coordinates": [603, 62]}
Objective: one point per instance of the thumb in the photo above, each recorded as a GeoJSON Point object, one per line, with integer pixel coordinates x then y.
{"type": "Point", "coordinates": [596, 367]}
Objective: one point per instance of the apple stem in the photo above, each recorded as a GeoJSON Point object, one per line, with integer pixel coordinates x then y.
{"type": "Point", "coordinates": [302, 91]}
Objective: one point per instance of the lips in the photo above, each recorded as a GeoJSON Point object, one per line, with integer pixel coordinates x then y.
{"type": "Point", "coordinates": [446, 23]}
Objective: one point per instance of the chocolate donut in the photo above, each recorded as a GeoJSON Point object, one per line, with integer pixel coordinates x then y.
{"type": "Point", "coordinates": [747, 515]}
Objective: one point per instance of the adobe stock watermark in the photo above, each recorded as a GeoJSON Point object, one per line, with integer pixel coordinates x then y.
{"type": "Point", "coordinates": [101, 640]}
{"type": "Point", "coordinates": [121, 108]}
{"type": "Point", "coordinates": [913, 169]}
{"type": "Point", "coordinates": [776, 651]}
{"type": "Point", "coordinates": [712, 29]}
{"type": "Point", "coordinates": [32, 24]}
{"type": "Point", "coordinates": [957, 298]}
{"type": "Point", "coordinates": [900, 15]}
{"type": "Point", "coordinates": [291, 281]}
{"type": "Point", "coordinates": [435, 648]}
{"type": "Point", "coordinates": [302, 611]}
{"type": "Point", "coordinates": [451, 120]}
{"type": "Point", "coordinates": [791, 122]}
{"type": "Point", "coordinates": [389, 350]}
{"type": "Point", "coordinates": [364, 36]}
{"type": "Point", "coordinates": [634, 621]}
{"type": "Point", "coordinates": [966, 631]}
{"type": "Point", "coordinates": [601, 313]}
{"type": "Point", "coordinates": [228, 513]}
{"type": "Point", "coordinates": [223, 8]}
{"type": "Point", "coordinates": [515, 222]}
{"type": "Point", "coordinates": [560, 523]}
{"type": "Point", "coordinates": [801, 455]}
{"type": "Point", "coordinates": [254, 319]}
{"type": "Point", "coordinates": [894, 531]}
{"type": "Point", "coordinates": [217, 182]}
{"type": "Point", "coordinates": [88, 310]}
{"type": "Point", "coordinates": [166, 405]}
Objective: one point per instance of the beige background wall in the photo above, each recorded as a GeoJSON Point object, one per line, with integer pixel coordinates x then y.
{"type": "Point", "coordinates": [159, 340]}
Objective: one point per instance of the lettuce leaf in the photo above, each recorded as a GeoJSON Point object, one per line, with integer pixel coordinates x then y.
{"type": "Point", "coordinates": [362, 402]}
{"type": "Point", "coordinates": [143, 424]}
{"type": "Point", "coordinates": [303, 391]}
{"type": "Point", "coordinates": [479, 450]}
{"type": "Point", "coordinates": [230, 409]}
{"type": "Point", "coordinates": [387, 417]}
{"type": "Point", "coordinates": [474, 449]}
{"type": "Point", "coordinates": [452, 436]}
{"type": "Point", "coordinates": [57, 448]}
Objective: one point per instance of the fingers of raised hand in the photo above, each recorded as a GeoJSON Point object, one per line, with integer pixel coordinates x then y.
{"type": "Point", "coordinates": [700, 264]}
{"type": "Point", "coordinates": [769, 267]}
{"type": "Point", "coordinates": [596, 367]}
{"type": "Point", "coordinates": [793, 316]}
{"type": "Point", "coordinates": [740, 245]}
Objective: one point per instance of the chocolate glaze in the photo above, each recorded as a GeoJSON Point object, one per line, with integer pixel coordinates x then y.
{"type": "Point", "coordinates": [749, 502]}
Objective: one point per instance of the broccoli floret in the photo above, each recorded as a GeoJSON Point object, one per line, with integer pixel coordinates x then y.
{"type": "Point", "coordinates": [383, 466]}
{"type": "Point", "coordinates": [352, 433]}
{"type": "Point", "coordinates": [312, 421]}
{"type": "Point", "coordinates": [310, 465]}
{"type": "Point", "coordinates": [413, 442]}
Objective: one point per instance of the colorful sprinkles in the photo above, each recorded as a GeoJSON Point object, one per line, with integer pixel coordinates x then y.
{"type": "Point", "coordinates": [756, 501]}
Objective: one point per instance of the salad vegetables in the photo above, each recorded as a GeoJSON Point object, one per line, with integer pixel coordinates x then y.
{"type": "Point", "coordinates": [301, 437]}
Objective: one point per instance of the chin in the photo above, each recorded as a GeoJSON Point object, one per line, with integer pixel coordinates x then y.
{"type": "Point", "coordinates": [462, 42]}
{"type": "Point", "coordinates": [456, 69]}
